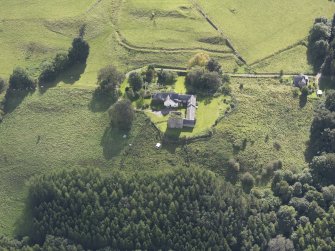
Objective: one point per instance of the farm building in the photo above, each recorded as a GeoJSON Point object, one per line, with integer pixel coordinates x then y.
{"type": "Point", "coordinates": [300, 81]}
{"type": "Point", "coordinates": [174, 100]}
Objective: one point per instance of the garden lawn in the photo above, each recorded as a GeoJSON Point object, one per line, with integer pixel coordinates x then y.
{"type": "Point", "coordinates": [260, 28]}
{"type": "Point", "coordinates": [207, 113]}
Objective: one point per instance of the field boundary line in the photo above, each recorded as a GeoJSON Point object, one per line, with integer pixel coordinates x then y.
{"type": "Point", "coordinates": [292, 46]}
{"type": "Point", "coordinates": [123, 42]}
{"type": "Point", "coordinates": [229, 43]}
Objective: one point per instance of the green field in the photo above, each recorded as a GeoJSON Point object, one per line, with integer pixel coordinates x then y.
{"type": "Point", "coordinates": [260, 28]}
{"type": "Point", "coordinates": [174, 22]}
{"type": "Point", "coordinates": [66, 127]}
{"type": "Point", "coordinates": [264, 107]}
{"type": "Point", "coordinates": [60, 130]}
{"type": "Point", "coordinates": [292, 61]}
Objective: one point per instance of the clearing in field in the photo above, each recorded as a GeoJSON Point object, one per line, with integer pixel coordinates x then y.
{"type": "Point", "coordinates": [260, 28]}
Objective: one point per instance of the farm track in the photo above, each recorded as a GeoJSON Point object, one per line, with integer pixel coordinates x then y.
{"type": "Point", "coordinates": [128, 46]}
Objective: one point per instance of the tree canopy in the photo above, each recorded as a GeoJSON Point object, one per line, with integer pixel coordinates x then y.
{"type": "Point", "coordinates": [122, 114]}
{"type": "Point", "coordinates": [20, 80]}
{"type": "Point", "coordinates": [109, 80]}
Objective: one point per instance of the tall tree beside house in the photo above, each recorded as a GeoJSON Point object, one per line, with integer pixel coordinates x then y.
{"type": "Point", "coordinates": [149, 74]}
{"type": "Point", "coordinates": [200, 80]}
{"type": "Point", "coordinates": [122, 114]}
{"type": "Point", "coordinates": [135, 81]}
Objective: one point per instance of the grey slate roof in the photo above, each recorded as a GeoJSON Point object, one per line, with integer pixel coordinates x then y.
{"type": "Point", "coordinates": [189, 100]}
{"type": "Point", "coordinates": [300, 81]}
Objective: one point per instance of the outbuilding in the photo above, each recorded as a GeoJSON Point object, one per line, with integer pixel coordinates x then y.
{"type": "Point", "coordinates": [300, 81]}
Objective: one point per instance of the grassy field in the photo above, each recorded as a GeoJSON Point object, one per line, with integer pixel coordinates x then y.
{"type": "Point", "coordinates": [291, 61]}
{"type": "Point", "coordinates": [167, 24]}
{"type": "Point", "coordinates": [258, 29]}
{"type": "Point", "coordinates": [59, 129]}
{"type": "Point", "coordinates": [26, 39]}
{"type": "Point", "coordinates": [266, 115]}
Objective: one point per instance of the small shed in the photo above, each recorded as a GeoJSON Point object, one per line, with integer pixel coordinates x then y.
{"type": "Point", "coordinates": [319, 93]}
{"type": "Point", "coordinates": [158, 145]}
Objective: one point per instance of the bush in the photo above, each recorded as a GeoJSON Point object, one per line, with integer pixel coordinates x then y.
{"type": "Point", "coordinates": [200, 59]}
{"type": "Point", "coordinates": [248, 181]}
{"type": "Point", "coordinates": [135, 81]}
{"type": "Point", "coordinates": [226, 78]}
{"type": "Point", "coordinates": [167, 77]}
{"type": "Point", "coordinates": [225, 89]}
{"type": "Point", "coordinates": [122, 114]}
{"type": "Point", "coordinates": [20, 80]}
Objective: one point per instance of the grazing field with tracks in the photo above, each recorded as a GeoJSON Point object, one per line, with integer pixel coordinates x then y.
{"type": "Point", "coordinates": [260, 28]}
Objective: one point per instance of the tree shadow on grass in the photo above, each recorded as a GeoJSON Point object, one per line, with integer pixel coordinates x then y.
{"type": "Point", "coordinates": [113, 142]}
{"type": "Point", "coordinates": [206, 99]}
{"type": "Point", "coordinates": [14, 98]}
{"type": "Point", "coordinates": [302, 101]}
{"type": "Point", "coordinates": [174, 133]}
{"type": "Point", "coordinates": [69, 76]}
{"type": "Point", "coordinates": [24, 224]}
{"type": "Point", "coordinates": [100, 102]}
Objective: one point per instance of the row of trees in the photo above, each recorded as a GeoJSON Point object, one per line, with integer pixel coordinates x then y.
{"type": "Point", "coordinates": [321, 45]}
{"type": "Point", "coordinates": [139, 80]}
{"type": "Point", "coordinates": [77, 54]}
{"type": "Point", "coordinates": [322, 140]}
{"type": "Point", "coordinates": [20, 80]}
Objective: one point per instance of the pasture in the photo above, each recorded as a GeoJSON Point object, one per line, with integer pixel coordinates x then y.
{"type": "Point", "coordinates": [59, 129]}
{"type": "Point", "coordinates": [291, 61]}
{"type": "Point", "coordinates": [267, 116]}
{"type": "Point", "coordinates": [260, 28]}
